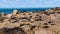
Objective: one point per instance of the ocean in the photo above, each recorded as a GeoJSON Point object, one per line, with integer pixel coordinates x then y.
{"type": "Point", "coordinates": [10, 10]}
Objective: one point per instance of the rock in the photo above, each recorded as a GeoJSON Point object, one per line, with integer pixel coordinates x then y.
{"type": "Point", "coordinates": [3, 14]}
{"type": "Point", "coordinates": [43, 31]}
{"type": "Point", "coordinates": [49, 11]}
{"type": "Point", "coordinates": [15, 12]}
{"type": "Point", "coordinates": [57, 8]}
{"type": "Point", "coordinates": [43, 22]}
{"type": "Point", "coordinates": [26, 28]}
{"type": "Point", "coordinates": [9, 15]}
{"type": "Point", "coordinates": [2, 32]}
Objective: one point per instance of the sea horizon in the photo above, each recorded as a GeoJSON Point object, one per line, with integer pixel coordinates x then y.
{"type": "Point", "coordinates": [10, 10]}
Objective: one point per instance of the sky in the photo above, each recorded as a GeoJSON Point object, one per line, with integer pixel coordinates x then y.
{"type": "Point", "coordinates": [29, 3]}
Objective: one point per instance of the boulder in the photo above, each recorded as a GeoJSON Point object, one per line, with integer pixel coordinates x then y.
{"type": "Point", "coordinates": [15, 12]}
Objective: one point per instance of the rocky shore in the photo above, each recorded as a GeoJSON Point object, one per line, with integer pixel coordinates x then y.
{"type": "Point", "coordinates": [41, 22]}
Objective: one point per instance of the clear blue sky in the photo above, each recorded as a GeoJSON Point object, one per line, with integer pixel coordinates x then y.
{"type": "Point", "coordinates": [29, 3]}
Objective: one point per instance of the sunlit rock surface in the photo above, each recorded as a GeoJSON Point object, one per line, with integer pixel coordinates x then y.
{"type": "Point", "coordinates": [41, 22]}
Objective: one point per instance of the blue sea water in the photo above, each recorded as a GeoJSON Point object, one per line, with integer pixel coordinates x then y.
{"type": "Point", "coordinates": [10, 10]}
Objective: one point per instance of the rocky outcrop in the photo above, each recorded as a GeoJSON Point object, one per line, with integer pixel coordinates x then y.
{"type": "Point", "coordinates": [41, 22]}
